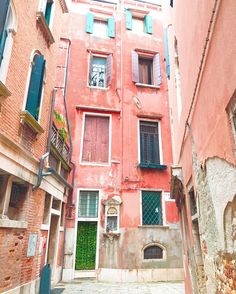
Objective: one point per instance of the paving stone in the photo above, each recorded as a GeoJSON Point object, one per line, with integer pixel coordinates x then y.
{"type": "Point", "coordinates": [92, 287]}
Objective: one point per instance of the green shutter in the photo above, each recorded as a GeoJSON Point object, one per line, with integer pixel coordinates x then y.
{"type": "Point", "coordinates": [128, 20]}
{"type": "Point", "coordinates": [89, 23]}
{"type": "Point", "coordinates": [35, 86]}
{"type": "Point", "coordinates": [167, 53]}
{"type": "Point", "coordinates": [151, 208]}
{"type": "Point", "coordinates": [148, 24]}
{"type": "Point", "coordinates": [111, 27]}
{"type": "Point", "coordinates": [48, 12]}
{"type": "Point", "coordinates": [3, 31]}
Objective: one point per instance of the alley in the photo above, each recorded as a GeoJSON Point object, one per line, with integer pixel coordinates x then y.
{"type": "Point", "coordinates": [88, 287]}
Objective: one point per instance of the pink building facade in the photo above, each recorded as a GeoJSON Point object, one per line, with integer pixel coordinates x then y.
{"type": "Point", "coordinates": [119, 113]}
{"type": "Point", "coordinates": [202, 104]}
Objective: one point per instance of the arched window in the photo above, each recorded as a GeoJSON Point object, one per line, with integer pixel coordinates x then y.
{"type": "Point", "coordinates": [35, 85]}
{"type": "Point", "coordinates": [7, 28]}
{"type": "Point", "coordinates": [153, 252]}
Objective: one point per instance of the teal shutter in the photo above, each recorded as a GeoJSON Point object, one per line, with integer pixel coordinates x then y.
{"type": "Point", "coordinates": [4, 8]}
{"type": "Point", "coordinates": [148, 24]}
{"type": "Point", "coordinates": [167, 53]}
{"type": "Point", "coordinates": [89, 23]}
{"type": "Point", "coordinates": [111, 27]}
{"type": "Point", "coordinates": [48, 12]}
{"type": "Point", "coordinates": [128, 20]}
{"type": "Point", "coordinates": [151, 208]}
{"type": "Point", "coordinates": [35, 86]}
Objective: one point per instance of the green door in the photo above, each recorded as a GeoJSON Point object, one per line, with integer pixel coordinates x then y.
{"type": "Point", "coordinates": [86, 246]}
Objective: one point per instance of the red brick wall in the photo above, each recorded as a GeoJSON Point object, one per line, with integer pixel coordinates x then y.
{"type": "Point", "coordinates": [15, 267]}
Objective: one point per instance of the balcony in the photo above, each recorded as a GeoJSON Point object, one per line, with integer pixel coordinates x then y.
{"type": "Point", "coordinates": [59, 143]}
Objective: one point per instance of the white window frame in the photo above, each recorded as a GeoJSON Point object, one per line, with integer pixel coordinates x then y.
{"type": "Point", "coordinates": [117, 207]}
{"type": "Point", "coordinates": [159, 138]}
{"type": "Point", "coordinates": [138, 19]}
{"type": "Point", "coordinates": [82, 140]}
{"type": "Point", "coordinates": [12, 28]}
{"type": "Point", "coordinates": [42, 8]}
{"type": "Point", "coordinates": [89, 60]}
{"type": "Point", "coordinates": [100, 20]}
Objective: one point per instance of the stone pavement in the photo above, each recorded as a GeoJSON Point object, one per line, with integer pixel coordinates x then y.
{"type": "Point", "coordinates": [93, 287]}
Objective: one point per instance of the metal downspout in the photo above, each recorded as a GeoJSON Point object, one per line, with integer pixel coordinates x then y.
{"type": "Point", "coordinates": [45, 155]}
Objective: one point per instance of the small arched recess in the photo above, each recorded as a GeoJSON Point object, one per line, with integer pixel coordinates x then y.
{"type": "Point", "coordinates": [154, 251]}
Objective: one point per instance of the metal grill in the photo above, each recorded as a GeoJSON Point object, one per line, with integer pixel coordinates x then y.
{"type": "Point", "coordinates": [153, 252]}
{"type": "Point", "coordinates": [88, 204]}
{"type": "Point", "coordinates": [59, 143]}
{"type": "Point", "coordinates": [151, 208]}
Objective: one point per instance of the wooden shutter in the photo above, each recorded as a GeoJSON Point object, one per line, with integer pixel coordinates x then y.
{"type": "Point", "coordinates": [128, 20]}
{"type": "Point", "coordinates": [149, 143]}
{"type": "Point", "coordinates": [35, 86]}
{"type": "Point", "coordinates": [148, 24]}
{"type": "Point", "coordinates": [3, 32]}
{"type": "Point", "coordinates": [135, 67]}
{"type": "Point", "coordinates": [109, 70]}
{"type": "Point", "coordinates": [157, 70]}
{"type": "Point", "coordinates": [48, 11]}
{"type": "Point", "coordinates": [89, 23]}
{"type": "Point", "coordinates": [167, 53]}
{"type": "Point", "coordinates": [111, 27]}
{"type": "Point", "coordinates": [96, 139]}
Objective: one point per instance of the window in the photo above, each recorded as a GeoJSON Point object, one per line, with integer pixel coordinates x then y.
{"type": "Point", "coordinates": [7, 29]}
{"type": "Point", "coordinates": [96, 139]}
{"type": "Point", "coordinates": [112, 219]}
{"type": "Point", "coordinates": [100, 71]}
{"type": "Point", "coordinates": [151, 208]}
{"type": "Point", "coordinates": [45, 7]}
{"type": "Point", "coordinates": [146, 69]}
{"type": "Point", "coordinates": [149, 142]}
{"type": "Point", "coordinates": [47, 208]}
{"type": "Point", "coordinates": [153, 252]}
{"type": "Point", "coordinates": [13, 193]}
{"type": "Point", "coordinates": [88, 204]}
{"type": "Point", "coordinates": [167, 57]}
{"type": "Point", "coordinates": [139, 25]}
{"type": "Point", "coordinates": [35, 86]}
{"type": "Point", "coordinates": [100, 27]}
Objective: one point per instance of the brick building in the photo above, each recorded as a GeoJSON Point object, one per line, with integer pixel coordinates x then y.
{"type": "Point", "coordinates": [118, 108]}
{"type": "Point", "coordinates": [203, 106]}
{"type": "Point", "coordinates": [34, 155]}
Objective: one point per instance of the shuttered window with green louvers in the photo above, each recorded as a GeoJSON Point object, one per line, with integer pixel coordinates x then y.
{"type": "Point", "coordinates": [149, 142]}
{"type": "Point", "coordinates": [35, 86]}
{"type": "Point", "coordinates": [4, 11]}
{"type": "Point", "coordinates": [151, 208]}
{"type": "Point", "coordinates": [100, 27]}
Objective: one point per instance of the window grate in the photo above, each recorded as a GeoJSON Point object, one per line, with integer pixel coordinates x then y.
{"type": "Point", "coordinates": [153, 252]}
{"type": "Point", "coordinates": [151, 208]}
{"type": "Point", "coordinates": [88, 204]}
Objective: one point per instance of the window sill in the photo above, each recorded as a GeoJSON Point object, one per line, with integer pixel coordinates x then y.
{"type": "Point", "coordinates": [152, 165]}
{"type": "Point", "coordinates": [44, 227]}
{"type": "Point", "coordinates": [147, 86]}
{"type": "Point", "coordinates": [4, 92]}
{"type": "Point", "coordinates": [7, 223]}
{"type": "Point", "coordinates": [28, 119]}
{"type": "Point", "coordinates": [111, 235]}
{"type": "Point", "coordinates": [98, 88]}
{"type": "Point", "coordinates": [87, 163]}
{"type": "Point", "coordinates": [45, 28]}
{"type": "Point", "coordinates": [154, 227]}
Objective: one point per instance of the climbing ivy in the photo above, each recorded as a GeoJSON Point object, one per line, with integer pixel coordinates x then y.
{"type": "Point", "coordinates": [86, 245]}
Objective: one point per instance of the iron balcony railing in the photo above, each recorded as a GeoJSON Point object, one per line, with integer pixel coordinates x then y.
{"type": "Point", "coordinates": [59, 143]}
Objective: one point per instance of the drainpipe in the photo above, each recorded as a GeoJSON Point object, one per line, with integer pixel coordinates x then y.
{"type": "Point", "coordinates": [41, 174]}
{"type": "Point", "coordinates": [69, 128]}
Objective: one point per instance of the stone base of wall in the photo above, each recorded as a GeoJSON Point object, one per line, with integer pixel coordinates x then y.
{"type": "Point", "coordinates": [29, 288]}
{"type": "Point", "coordinates": [140, 275]}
